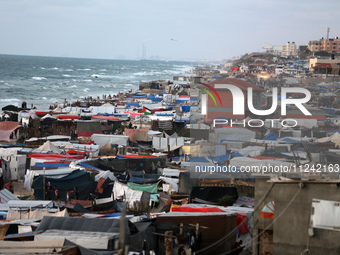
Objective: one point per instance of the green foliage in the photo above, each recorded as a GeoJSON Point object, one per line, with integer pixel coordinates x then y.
{"type": "Point", "coordinates": [226, 201]}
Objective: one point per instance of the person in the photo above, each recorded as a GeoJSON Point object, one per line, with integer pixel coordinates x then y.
{"type": "Point", "coordinates": [130, 125]}
{"type": "Point", "coordinates": [75, 192]}
{"type": "Point", "coordinates": [56, 193]}
{"type": "Point", "coordinates": [48, 193]}
{"type": "Point", "coordinates": [181, 250]}
{"type": "Point", "coordinates": [67, 193]}
{"type": "Point", "coordinates": [238, 248]}
{"type": "Point", "coordinates": [9, 186]}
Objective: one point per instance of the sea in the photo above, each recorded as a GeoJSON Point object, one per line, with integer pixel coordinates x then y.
{"type": "Point", "coordinates": [43, 81]}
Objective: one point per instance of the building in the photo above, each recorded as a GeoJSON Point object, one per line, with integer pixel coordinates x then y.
{"type": "Point", "coordinates": [315, 64]}
{"type": "Point", "coordinates": [225, 110]}
{"type": "Point", "coordinates": [331, 45]}
{"type": "Point", "coordinates": [293, 225]}
{"type": "Point", "coordinates": [289, 49]}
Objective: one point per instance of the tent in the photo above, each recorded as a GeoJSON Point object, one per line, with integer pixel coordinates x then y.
{"type": "Point", "coordinates": [78, 178]}
{"type": "Point", "coordinates": [6, 129]}
{"type": "Point", "coordinates": [335, 138]}
{"type": "Point", "coordinates": [50, 147]}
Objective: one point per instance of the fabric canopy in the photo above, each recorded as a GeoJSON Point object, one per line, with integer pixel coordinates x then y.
{"type": "Point", "coordinates": [193, 209]}
{"type": "Point", "coordinates": [335, 138]}
{"type": "Point", "coordinates": [268, 210]}
{"type": "Point", "coordinates": [151, 188]}
{"type": "Point", "coordinates": [6, 129]}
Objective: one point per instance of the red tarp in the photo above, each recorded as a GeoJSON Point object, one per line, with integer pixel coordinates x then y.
{"type": "Point", "coordinates": [55, 156]}
{"type": "Point", "coordinates": [133, 114]}
{"type": "Point", "coordinates": [6, 129]}
{"type": "Point", "coordinates": [198, 210]}
{"type": "Point", "coordinates": [242, 223]}
{"type": "Point", "coordinates": [67, 117]}
{"type": "Point", "coordinates": [137, 156]}
{"type": "Point", "coordinates": [105, 117]}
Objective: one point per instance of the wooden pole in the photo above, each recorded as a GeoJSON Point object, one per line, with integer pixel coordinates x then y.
{"type": "Point", "coordinates": [121, 233]}
{"type": "Point", "coordinates": [168, 243]}
{"type": "Point", "coordinates": [44, 183]}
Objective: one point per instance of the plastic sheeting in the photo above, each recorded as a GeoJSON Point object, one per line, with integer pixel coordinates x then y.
{"type": "Point", "coordinates": [105, 175]}
{"type": "Point", "coordinates": [36, 214]}
{"type": "Point", "coordinates": [137, 134]}
{"type": "Point", "coordinates": [172, 184]}
{"type": "Point", "coordinates": [101, 140]}
{"type": "Point", "coordinates": [161, 143]}
{"type": "Point", "coordinates": [151, 188]}
{"type": "Point", "coordinates": [6, 129]}
{"type": "Point", "coordinates": [325, 214]}
{"type": "Point", "coordinates": [335, 138]}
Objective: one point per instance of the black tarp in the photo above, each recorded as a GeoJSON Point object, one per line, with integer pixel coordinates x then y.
{"type": "Point", "coordinates": [136, 233]}
{"type": "Point", "coordinates": [78, 178]}
{"type": "Point", "coordinates": [213, 194]}
{"type": "Point", "coordinates": [119, 165]}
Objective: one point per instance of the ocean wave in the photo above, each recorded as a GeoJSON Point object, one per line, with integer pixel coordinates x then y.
{"type": "Point", "coordinates": [86, 90]}
{"type": "Point", "coordinates": [85, 69]}
{"type": "Point", "coordinates": [66, 75]}
{"type": "Point", "coordinates": [74, 86]}
{"type": "Point", "coordinates": [103, 70]}
{"type": "Point", "coordinates": [68, 70]}
{"type": "Point", "coordinates": [39, 78]}
{"type": "Point", "coordinates": [88, 80]}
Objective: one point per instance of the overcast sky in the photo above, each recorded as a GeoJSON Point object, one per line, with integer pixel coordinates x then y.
{"type": "Point", "coordinates": [216, 29]}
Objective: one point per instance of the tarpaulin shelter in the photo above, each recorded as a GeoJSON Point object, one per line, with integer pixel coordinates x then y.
{"type": "Point", "coordinates": [78, 178]}
{"type": "Point", "coordinates": [193, 209]}
{"type": "Point", "coordinates": [151, 188]}
{"type": "Point", "coordinates": [335, 138]}
{"type": "Point", "coordinates": [6, 129]}
{"type": "Point", "coordinates": [101, 139]}
{"type": "Point", "coordinates": [87, 128]}
{"type": "Point", "coordinates": [268, 210]}
{"type": "Point", "coordinates": [36, 214]}
{"type": "Point", "coordinates": [137, 134]}
{"type": "Point", "coordinates": [50, 147]}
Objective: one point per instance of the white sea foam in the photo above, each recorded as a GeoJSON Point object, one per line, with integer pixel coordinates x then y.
{"type": "Point", "coordinates": [66, 75]}
{"type": "Point", "coordinates": [39, 78]}
{"type": "Point", "coordinates": [86, 90]}
{"type": "Point", "coordinates": [85, 69]}
{"type": "Point", "coordinates": [74, 86]}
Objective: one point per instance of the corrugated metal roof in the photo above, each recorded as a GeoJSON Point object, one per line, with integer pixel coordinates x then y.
{"type": "Point", "coordinates": [6, 196]}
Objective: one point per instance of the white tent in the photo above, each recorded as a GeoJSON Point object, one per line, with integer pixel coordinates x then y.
{"type": "Point", "coordinates": [50, 147]}
{"type": "Point", "coordinates": [335, 138]}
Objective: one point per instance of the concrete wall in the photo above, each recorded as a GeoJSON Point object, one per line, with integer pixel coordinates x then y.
{"type": "Point", "coordinates": [290, 234]}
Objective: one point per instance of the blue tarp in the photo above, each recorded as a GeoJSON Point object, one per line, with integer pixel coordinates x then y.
{"type": "Point", "coordinates": [333, 131]}
{"type": "Point", "coordinates": [185, 108]}
{"type": "Point", "coordinates": [140, 179]}
{"type": "Point", "coordinates": [271, 137]}
{"type": "Point", "coordinates": [55, 165]}
{"type": "Point", "coordinates": [288, 140]}
{"type": "Point", "coordinates": [200, 159]}
{"type": "Point", "coordinates": [132, 104]}
{"type": "Point", "coordinates": [328, 111]}
{"type": "Point", "coordinates": [221, 159]}
{"type": "Point", "coordinates": [89, 166]}
{"type": "Point", "coordinates": [237, 154]}
{"type": "Point", "coordinates": [12, 144]}
{"type": "Point", "coordinates": [156, 99]}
